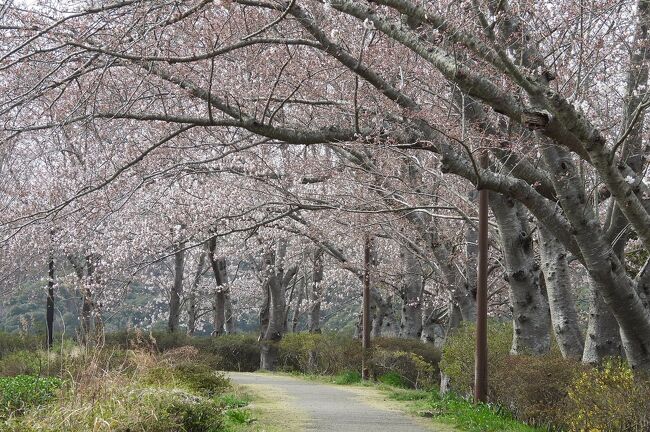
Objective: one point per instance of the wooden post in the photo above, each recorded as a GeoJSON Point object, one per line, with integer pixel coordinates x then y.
{"type": "Point", "coordinates": [480, 363]}
{"type": "Point", "coordinates": [365, 339]}
{"type": "Point", "coordinates": [49, 317]}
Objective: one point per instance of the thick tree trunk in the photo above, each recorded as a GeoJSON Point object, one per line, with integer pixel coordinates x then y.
{"type": "Point", "coordinates": [275, 327]}
{"type": "Point", "coordinates": [383, 315]}
{"type": "Point", "coordinates": [557, 278]}
{"type": "Point", "coordinates": [220, 295]}
{"type": "Point", "coordinates": [275, 283]}
{"type": "Point", "coordinates": [412, 290]}
{"type": "Point", "coordinates": [603, 336]}
{"type": "Point", "coordinates": [219, 312]}
{"type": "Point", "coordinates": [530, 312]}
{"type": "Point", "coordinates": [605, 269]}
{"type": "Point", "coordinates": [177, 289]}
{"type": "Point", "coordinates": [296, 311]}
{"type": "Point", "coordinates": [231, 321]}
{"type": "Point", "coordinates": [433, 330]}
{"type": "Point", "coordinates": [316, 292]}
{"type": "Point", "coordinates": [192, 306]}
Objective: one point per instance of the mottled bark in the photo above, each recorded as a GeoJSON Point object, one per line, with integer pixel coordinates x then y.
{"type": "Point", "coordinates": [231, 321]}
{"type": "Point", "coordinates": [275, 283]}
{"type": "Point", "coordinates": [557, 278]}
{"type": "Point", "coordinates": [412, 291]}
{"type": "Point", "coordinates": [603, 336]}
{"type": "Point", "coordinates": [605, 269]}
{"type": "Point", "coordinates": [219, 271]}
{"type": "Point", "coordinates": [315, 293]}
{"type": "Point", "coordinates": [177, 289]}
{"type": "Point", "coordinates": [530, 312]}
{"type": "Point", "coordinates": [383, 315]}
{"type": "Point", "coordinates": [192, 307]}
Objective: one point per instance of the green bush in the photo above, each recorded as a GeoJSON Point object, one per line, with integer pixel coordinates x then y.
{"type": "Point", "coordinates": [236, 352]}
{"type": "Point", "coordinates": [458, 353]}
{"type": "Point", "coordinates": [393, 379]}
{"type": "Point", "coordinates": [203, 416]}
{"type": "Point", "coordinates": [196, 377]}
{"type": "Point", "coordinates": [21, 363]}
{"type": "Point", "coordinates": [324, 354]}
{"type": "Point", "coordinates": [24, 391]}
{"type": "Point", "coordinates": [403, 369]}
{"type": "Point", "coordinates": [608, 398]}
{"type": "Point", "coordinates": [10, 342]}
{"type": "Point", "coordinates": [349, 377]}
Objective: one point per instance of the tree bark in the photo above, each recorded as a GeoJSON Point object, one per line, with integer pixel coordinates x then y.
{"type": "Point", "coordinates": [221, 278]}
{"type": "Point", "coordinates": [275, 283]}
{"type": "Point", "coordinates": [177, 289]}
{"type": "Point", "coordinates": [557, 278]}
{"type": "Point", "coordinates": [603, 335]}
{"type": "Point", "coordinates": [412, 290]}
{"type": "Point", "coordinates": [530, 312]}
{"type": "Point", "coordinates": [605, 269]}
{"type": "Point", "coordinates": [316, 292]}
{"type": "Point", "coordinates": [192, 309]}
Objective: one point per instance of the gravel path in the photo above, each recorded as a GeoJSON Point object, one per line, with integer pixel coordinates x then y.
{"type": "Point", "coordinates": [333, 408]}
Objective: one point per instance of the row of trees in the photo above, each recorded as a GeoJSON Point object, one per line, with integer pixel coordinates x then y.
{"type": "Point", "coordinates": [280, 134]}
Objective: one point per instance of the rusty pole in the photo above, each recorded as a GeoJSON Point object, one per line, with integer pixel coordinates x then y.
{"type": "Point", "coordinates": [480, 363]}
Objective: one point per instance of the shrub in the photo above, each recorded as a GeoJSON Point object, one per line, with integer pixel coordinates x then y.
{"type": "Point", "coordinates": [326, 353]}
{"type": "Point", "coordinates": [458, 353]}
{"type": "Point", "coordinates": [534, 388]}
{"type": "Point", "coordinates": [236, 352]}
{"type": "Point", "coordinates": [608, 399]}
{"type": "Point", "coordinates": [24, 391]}
{"type": "Point", "coordinates": [403, 369]}
{"type": "Point", "coordinates": [10, 342]}
{"type": "Point", "coordinates": [21, 363]}
{"type": "Point", "coordinates": [426, 351]}
{"type": "Point", "coordinates": [349, 377]}
{"type": "Point", "coordinates": [196, 377]}
{"type": "Point", "coordinates": [203, 416]}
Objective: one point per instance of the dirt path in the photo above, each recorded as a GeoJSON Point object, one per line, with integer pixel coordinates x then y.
{"type": "Point", "coordinates": [324, 408]}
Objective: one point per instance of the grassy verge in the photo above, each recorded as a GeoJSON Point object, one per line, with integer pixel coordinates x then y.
{"type": "Point", "coordinates": [450, 409]}
{"type": "Point", "coordinates": [122, 390]}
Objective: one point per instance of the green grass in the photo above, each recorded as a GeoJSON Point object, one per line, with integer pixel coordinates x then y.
{"type": "Point", "coordinates": [350, 377]}
{"type": "Point", "coordinates": [459, 412]}
{"type": "Point", "coordinates": [24, 391]}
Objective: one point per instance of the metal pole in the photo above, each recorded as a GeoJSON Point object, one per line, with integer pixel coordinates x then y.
{"type": "Point", "coordinates": [365, 338]}
{"type": "Point", "coordinates": [480, 370]}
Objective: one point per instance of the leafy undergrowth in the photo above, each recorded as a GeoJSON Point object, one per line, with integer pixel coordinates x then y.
{"type": "Point", "coordinates": [118, 390]}
{"type": "Point", "coordinates": [458, 412]}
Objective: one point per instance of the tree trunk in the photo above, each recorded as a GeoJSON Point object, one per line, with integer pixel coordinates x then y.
{"type": "Point", "coordinates": [177, 289]}
{"type": "Point", "coordinates": [219, 270]}
{"type": "Point", "coordinates": [383, 315]}
{"type": "Point", "coordinates": [530, 312]}
{"type": "Point", "coordinates": [603, 336]}
{"type": "Point", "coordinates": [231, 321]}
{"type": "Point", "coordinates": [275, 283]}
{"type": "Point", "coordinates": [296, 311]}
{"type": "Point", "coordinates": [316, 292]}
{"type": "Point", "coordinates": [557, 278]}
{"type": "Point", "coordinates": [411, 322]}
{"type": "Point", "coordinates": [192, 309]}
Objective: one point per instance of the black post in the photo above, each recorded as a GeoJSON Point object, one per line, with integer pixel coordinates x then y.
{"type": "Point", "coordinates": [49, 317]}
